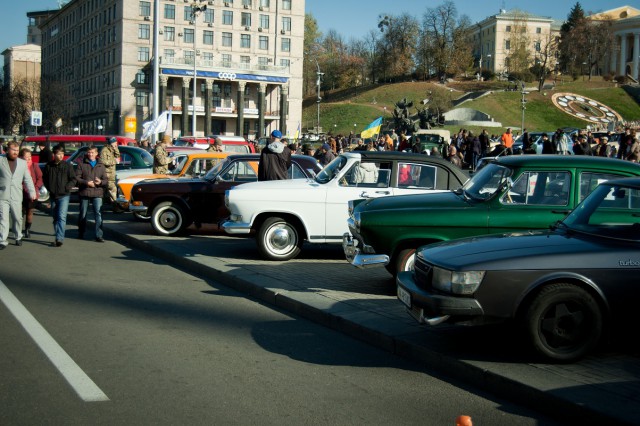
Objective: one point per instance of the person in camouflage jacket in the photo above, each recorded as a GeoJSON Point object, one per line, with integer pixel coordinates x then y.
{"type": "Point", "coordinates": [161, 159]}
{"type": "Point", "coordinates": [109, 156]}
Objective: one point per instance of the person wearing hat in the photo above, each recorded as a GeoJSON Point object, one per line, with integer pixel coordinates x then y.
{"type": "Point", "coordinates": [161, 158]}
{"type": "Point", "coordinates": [216, 146]}
{"type": "Point", "coordinates": [604, 149]}
{"type": "Point", "coordinates": [110, 156]}
{"type": "Point", "coordinates": [582, 147]}
{"type": "Point", "coordinates": [326, 155]}
{"type": "Point", "coordinates": [275, 159]}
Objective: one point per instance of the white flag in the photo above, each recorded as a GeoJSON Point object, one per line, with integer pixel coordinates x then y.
{"type": "Point", "coordinates": [156, 126]}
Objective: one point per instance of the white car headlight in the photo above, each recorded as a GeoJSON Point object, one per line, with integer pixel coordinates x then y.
{"type": "Point", "coordinates": [226, 199]}
{"type": "Point", "coordinates": [457, 282]}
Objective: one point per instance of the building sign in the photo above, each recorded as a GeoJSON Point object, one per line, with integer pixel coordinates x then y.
{"type": "Point", "coordinates": [225, 75]}
{"type": "Point", "coordinates": [130, 124]}
{"type": "Point", "coordinates": [224, 110]}
{"type": "Point", "coordinates": [198, 108]}
{"type": "Point", "coordinates": [251, 111]}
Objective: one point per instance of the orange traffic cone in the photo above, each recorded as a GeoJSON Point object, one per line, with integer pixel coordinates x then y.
{"type": "Point", "coordinates": [463, 421]}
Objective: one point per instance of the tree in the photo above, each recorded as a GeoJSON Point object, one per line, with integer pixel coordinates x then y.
{"type": "Point", "coordinates": [519, 57]}
{"type": "Point", "coordinates": [569, 53]}
{"type": "Point", "coordinates": [445, 44]}
{"type": "Point", "coordinates": [18, 101]}
{"type": "Point", "coordinates": [312, 50]}
{"type": "Point", "coordinates": [547, 48]}
{"type": "Point", "coordinates": [399, 35]}
{"type": "Point", "coordinates": [57, 103]}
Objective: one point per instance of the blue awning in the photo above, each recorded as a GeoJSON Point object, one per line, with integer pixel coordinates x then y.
{"type": "Point", "coordinates": [225, 75]}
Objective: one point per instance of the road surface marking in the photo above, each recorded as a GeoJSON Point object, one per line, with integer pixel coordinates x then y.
{"type": "Point", "coordinates": [73, 374]}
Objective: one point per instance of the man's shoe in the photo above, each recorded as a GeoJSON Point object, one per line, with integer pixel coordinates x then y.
{"type": "Point", "coordinates": [27, 233]}
{"type": "Point", "coordinates": [18, 242]}
{"type": "Point", "coordinates": [99, 240]}
{"type": "Point", "coordinates": [58, 243]}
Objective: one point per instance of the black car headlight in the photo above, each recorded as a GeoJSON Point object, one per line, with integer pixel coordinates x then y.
{"type": "Point", "coordinates": [456, 282]}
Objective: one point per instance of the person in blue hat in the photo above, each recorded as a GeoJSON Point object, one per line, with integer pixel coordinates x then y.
{"type": "Point", "coordinates": [275, 159]}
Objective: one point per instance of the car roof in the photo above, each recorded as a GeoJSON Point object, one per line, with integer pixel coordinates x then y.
{"type": "Point", "coordinates": [553, 160]}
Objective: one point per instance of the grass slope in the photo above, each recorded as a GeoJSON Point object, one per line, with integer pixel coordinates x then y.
{"type": "Point", "coordinates": [338, 115]}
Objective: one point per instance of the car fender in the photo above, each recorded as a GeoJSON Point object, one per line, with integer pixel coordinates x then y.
{"type": "Point", "coordinates": [555, 277]}
{"type": "Point", "coordinates": [260, 217]}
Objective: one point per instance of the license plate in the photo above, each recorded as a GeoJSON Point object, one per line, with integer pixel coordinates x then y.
{"type": "Point", "coordinates": [404, 296]}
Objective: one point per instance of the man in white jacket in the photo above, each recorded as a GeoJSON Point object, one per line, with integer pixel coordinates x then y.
{"type": "Point", "coordinates": [13, 175]}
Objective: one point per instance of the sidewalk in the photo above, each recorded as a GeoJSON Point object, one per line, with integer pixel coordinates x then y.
{"type": "Point", "coordinates": [321, 286]}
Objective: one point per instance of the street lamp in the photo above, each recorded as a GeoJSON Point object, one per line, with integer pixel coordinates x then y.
{"type": "Point", "coordinates": [584, 64]}
{"type": "Point", "coordinates": [318, 82]}
{"type": "Point", "coordinates": [100, 128]}
{"type": "Point", "coordinates": [524, 105]}
{"type": "Point", "coordinates": [196, 8]}
{"type": "Point", "coordinates": [76, 129]}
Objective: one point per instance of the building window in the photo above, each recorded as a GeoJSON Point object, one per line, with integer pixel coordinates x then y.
{"type": "Point", "coordinates": [141, 77]}
{"type": "Point", "coordinates": [208, 16]}
{"type": "Point", "coordinates": [169, 33]}
{"type": "Point", "coordinates": [537, 46]}
{"type": "Point", "coordinates": [188, 13]}
{"type": "Point", "coordinates": [264, 3]}
{"type": "Point", "coordinates": [286, 23]}
{"type": "Point", "coordinates": [507, 44]}
{"type": "Point", "coordinates": [263, 62]}
{"type": "Point", "coordinates": [227, 39]}
{"type": "Point", "coordinates": [207, 57]}
{"type": "Point", "coordinates": [207, 37]}
{"type": "Point", "coordinates": [188, 35]}
{"type": "Point", "coordinates": [142, 99]}
{"type": "Point", "coordinates": [538, 30]}
{"type": "Point", "coordinates": [286, 4]}
{"type": "Point", "coordinates": [264, 21]}
{"type": "Point", "coordinates": [264, 43]}
{"type": "Point", "coordinates": [145, 8]}
{"type": "Point", "coordinates": [245, 40]}
{"type": "Point", "coordinates": [143, 54]}
{"type": "Point", "coordinates": [285, 44]}
{"type": "Point", "coordinates": [226, 60]}
{"type": "Point", "coordinates": [144, 31]}
{"type": "Point", "coordinates": [245, 19]}
{"type": "Point", "coordinates": [285, 63]}
{"type": "Point", "coordinates": [508, 29]}
{"type": "Point", "coordinates": [245, 62]}
{"type": "Point", "coordinates": [189, 57]}
{"type": "Point", "coordinates": [169, 11]}
{"type": "Point", "coordinates": [246, 3]}
{"type": "Point", "coordinates": [227, 17]}
{"type": "Point", "coordinates": [169, 55]}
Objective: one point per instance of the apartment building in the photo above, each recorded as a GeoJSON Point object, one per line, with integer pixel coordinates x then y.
{"type": "Point", "coordinates": [496, 37]}
{"type": "Point", "coordinates": [246, 56]}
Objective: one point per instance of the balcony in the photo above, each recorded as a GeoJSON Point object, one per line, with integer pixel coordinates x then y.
{"type": "Point", "coordinates": [224, 65]}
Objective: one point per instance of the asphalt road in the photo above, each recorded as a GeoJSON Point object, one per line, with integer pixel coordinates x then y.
{"type": "Point", "coordinates": [150, 344]}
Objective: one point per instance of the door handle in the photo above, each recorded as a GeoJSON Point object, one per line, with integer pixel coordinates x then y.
{"type": "Point", "coordinates": [565, 212]}
{"type": "Point", "coordinates": [383, 192]}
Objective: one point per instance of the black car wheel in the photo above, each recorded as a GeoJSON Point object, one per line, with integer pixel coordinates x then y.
{"type": "Point", "coordinates": [564, 322]}
{"type": "Point", "coordinates": [142, 217]}
{"type": "Point", "coordinates": [404, 260]}
{"type": "Point", "coordinates": [278, 239]}
{"type": "Point", "coordinates": [169, 219]}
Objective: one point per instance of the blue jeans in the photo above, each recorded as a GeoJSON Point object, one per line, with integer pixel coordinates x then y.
{"type": "Point", "coordinates": [96, 203]}
{"type": "Point", "coordinates": [59, 209]}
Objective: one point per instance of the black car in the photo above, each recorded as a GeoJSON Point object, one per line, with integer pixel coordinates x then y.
{"type": "Point", "coordinates": [176, 203]}
{"type": "Point", "coordinates": [567, 286]}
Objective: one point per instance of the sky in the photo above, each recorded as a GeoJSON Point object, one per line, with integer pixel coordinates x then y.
{"type": "Point", "coordinates": [350, 18]}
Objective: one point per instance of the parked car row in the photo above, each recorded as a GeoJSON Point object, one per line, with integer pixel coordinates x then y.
{"type": "Point", "coordinates": [464, 251]}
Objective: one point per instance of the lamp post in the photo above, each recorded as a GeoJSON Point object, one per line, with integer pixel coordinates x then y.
{"type": "Point", "coordinates": [76, 129]}
{"type": "Point", "coordinates": [196, 8]}
{"type": "Point", "coordinates": [318, 82]}
{"type": "Point", "coordinates": [524, 105]}
{"type": "Point", "coordinates": [584, 64]}
{"type": "Point", "coordinates": [100, 128]}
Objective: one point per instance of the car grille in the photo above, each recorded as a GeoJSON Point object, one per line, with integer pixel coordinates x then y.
{"type": "Point", "coordinates": [423, 273]}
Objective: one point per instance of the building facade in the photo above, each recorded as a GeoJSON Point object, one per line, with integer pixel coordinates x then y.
{"type": "Point", "coordinates": [624, 58]}
{"type": "Point", "coordinates": [495, 38]}
{"type": "Point", "coordinates": [246, 55]}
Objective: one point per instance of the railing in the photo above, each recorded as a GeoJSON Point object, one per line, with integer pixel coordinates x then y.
{"type": "Point", "coordinates": [225, 65]}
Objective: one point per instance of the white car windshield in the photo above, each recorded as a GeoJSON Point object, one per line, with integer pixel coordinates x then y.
{"type": "Point", "coordinates": [487, 182]}
{"type": "Point", "coordinates": [332, 169]}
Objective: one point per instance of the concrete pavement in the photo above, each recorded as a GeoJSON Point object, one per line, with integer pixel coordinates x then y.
{"type": "Point", "coordinates": [320, 285]}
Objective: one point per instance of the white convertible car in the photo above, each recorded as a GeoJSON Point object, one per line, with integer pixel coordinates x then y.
{"type": "Point", "coordinates": [282, 214]}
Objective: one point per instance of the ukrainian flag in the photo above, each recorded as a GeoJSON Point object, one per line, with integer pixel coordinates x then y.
{"type": "Point", "coordinates": [297, 135]}
{"type": "Point", "coordinates": [372, 129]}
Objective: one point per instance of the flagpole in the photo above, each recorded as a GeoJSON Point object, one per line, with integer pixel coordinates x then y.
{"type": "Point", "coordinates": [156, 65]}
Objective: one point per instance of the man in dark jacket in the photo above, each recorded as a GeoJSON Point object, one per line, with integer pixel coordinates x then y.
{"type": "Point", "coordinates": [275, 159]}
{"type": "Point", "coordinates": [92, 180]}
{"type": "Point", "coordinates": [58, 177]}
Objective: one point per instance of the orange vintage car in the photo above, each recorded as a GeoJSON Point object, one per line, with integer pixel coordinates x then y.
{"type": "Point", "coordinates": [189, 164]}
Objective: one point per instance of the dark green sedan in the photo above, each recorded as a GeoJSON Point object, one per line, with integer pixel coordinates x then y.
{"type": "Point", "coordinates": [515, 193]}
